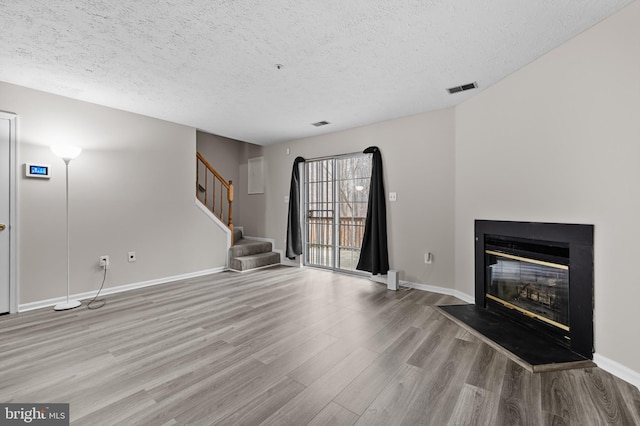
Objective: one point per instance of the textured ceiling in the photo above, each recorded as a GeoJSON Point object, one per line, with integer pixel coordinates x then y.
{"type": "Point", "coordinates": [211, 64]}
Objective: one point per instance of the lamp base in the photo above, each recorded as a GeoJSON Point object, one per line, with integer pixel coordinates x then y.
{"type": "Point", "coordinates": [67, 305]}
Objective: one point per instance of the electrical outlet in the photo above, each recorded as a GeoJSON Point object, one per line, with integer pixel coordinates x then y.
{"type": "Point", "coordinates": [132, 256]}
{"type": "Point", "coordinates": [104, 262]}
{"type": "Point", "coordinates": [428, 257]}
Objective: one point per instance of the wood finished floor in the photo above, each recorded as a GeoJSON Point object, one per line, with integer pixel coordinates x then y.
{"type": "Point", "coordinates": [287, 346]}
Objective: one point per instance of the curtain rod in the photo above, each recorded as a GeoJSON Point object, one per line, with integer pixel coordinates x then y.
{"type": "Point", "coordinates": [326, 157]}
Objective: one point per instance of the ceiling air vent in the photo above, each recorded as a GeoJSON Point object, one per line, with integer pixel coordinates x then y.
{"type": "Point", "coordinates": [462, 88]}
{"type": "Point", "coordinates": [320, 123]}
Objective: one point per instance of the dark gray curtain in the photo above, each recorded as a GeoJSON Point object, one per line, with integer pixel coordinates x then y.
{"type": "Point", "coordinates": [374, 255]}
{"type": "Point", "coordinates": [294, 230]}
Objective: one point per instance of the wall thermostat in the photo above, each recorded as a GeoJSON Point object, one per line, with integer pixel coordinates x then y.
{"type": "Point", "coordinates": [37, 170]}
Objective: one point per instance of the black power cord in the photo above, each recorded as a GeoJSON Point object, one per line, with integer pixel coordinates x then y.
{"type": "Point", "coordinates": [104, 301]}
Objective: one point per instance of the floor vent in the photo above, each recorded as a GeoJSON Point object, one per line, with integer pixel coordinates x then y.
{"type": "Point", "coordinates": [462, 88]}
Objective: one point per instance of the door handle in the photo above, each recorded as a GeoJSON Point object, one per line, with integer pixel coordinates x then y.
{"type": "Point", "coordinates": [2, 226]}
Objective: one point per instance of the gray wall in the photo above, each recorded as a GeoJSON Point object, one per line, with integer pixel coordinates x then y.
{"type": "Point", "coordinates": [222, 153]}
{"type": "Point", "coordinates": [229, 158]}
{"type": "Point", "coordinates": [418, 163]}
{"type": "Point", "coordinates": [559, 141]}
{"type": "Point", "coordinates": [131, 189]}
{"type": "Point", "coordinates": [251, 207]}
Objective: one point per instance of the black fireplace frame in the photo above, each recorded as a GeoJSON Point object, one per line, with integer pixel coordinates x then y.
{"type": "Point", "coordinates": [580, 241]}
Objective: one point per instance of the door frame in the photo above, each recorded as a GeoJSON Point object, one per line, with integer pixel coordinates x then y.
{"type": "Point", "coordinates": [13, 210]}
{"type": "Point", "coordinates": [305, 217]}
{"type": "Point", "coordinates": [336, 223]}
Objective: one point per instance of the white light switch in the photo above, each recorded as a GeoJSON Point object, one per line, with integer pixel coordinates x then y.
{"type": "Point", "coordinates": [286, 198]}
{"type": "Point", "coordinates": [393, 196]}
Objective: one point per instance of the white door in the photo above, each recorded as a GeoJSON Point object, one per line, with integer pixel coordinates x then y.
{"type": "Point", "coordinates": [5, 175]}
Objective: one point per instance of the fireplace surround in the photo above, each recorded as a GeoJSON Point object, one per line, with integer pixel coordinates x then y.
{"type": "Point", "coordinates": [539, 275]}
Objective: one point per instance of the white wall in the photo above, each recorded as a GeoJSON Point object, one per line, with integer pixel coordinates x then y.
{"type": "Point", "coordinates": [418, 163]}
{"type": "Point", "coordinates": [559, 141]}
{"type": "Point", "coordinates": [131, 189]}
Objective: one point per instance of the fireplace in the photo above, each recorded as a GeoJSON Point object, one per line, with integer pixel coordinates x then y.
{"type": "Point", "coordinates": [539, 275]}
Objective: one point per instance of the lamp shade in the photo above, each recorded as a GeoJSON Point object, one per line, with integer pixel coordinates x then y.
{"type": "Point", "coordinates": [66, 152]}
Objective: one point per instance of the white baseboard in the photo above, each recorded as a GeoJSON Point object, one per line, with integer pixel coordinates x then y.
{"type": "Point", "coordinates": [382, 279]}
{"type": "Point", "coordinates": [617, 369]}
{"type": "Point", "coordinates": [112, 290]}
{"type": "Point", "coordinates": [268, 240]}
{"type": "Point", "coordinates": [464, 296]}
{"type": "Point", "coordinates": [254, 269]}
{"type": "Point", "coordinates": [440, 290]}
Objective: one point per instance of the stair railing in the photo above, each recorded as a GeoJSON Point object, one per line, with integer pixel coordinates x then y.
{"type": "Point", "coordinates": [211, 189]}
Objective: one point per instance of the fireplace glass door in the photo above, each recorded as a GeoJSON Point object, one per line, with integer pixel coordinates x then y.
{"type": "Point", "coordinates": [536, 288]}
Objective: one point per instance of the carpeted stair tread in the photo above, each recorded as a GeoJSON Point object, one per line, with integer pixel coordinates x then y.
{"type": "Point", "coordinates": [243, 263]}
{"type": "Point", "coordinates": [245, 247]}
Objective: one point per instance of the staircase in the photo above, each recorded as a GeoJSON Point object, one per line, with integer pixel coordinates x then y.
{"type": "Point", "coordinates": [248, 254]}
{"type": "Point", "coordinates": [216, 194]}
{"type": "Point", "coordinates": [211, 189]}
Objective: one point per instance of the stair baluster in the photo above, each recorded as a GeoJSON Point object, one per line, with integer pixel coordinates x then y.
{"type": "Point", "coordinates": [202, 191]}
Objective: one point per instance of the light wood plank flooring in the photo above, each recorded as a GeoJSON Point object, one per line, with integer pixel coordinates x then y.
{"type": "Point", "coordinates": [287, 346]}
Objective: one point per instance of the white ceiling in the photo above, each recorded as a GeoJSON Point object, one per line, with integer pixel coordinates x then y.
{"type": "Point", "coordinates": [211, 64]}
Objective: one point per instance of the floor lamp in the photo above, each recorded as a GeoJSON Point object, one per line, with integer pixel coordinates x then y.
{"type": "Point", "coordinates": [67, 153]}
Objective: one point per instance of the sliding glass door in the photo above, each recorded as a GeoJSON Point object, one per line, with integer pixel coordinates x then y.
{"type": "Point", "coordinates": [336, 197]}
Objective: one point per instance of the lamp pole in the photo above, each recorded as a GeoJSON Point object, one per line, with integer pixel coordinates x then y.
{"type": "Point", "coordinates": [67, 155]}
